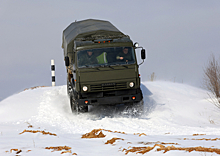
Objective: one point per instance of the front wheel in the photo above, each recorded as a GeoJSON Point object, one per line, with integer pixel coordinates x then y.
{"type": "Point", "coordinates": [69, 88]}
{"type": "Point", "coordinates": [75, 107]}
{"type": "Point", "coordinates": [72, 103]}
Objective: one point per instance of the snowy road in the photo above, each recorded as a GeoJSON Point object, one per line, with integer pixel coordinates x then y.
{"type": "Point", "coordinates": [172, 114]}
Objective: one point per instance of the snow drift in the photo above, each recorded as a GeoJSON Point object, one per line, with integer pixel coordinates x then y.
{"type": "Point", "coordinates": [170, 109]}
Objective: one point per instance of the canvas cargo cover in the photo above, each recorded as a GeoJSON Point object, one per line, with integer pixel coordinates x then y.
{"type": "Point", "coordinates": [84, 29]}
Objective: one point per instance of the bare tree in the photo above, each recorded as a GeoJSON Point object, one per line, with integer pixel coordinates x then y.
{"type": "Point", "coordinates": [212, 80]}
{"type": "Point", "coordinates": [152, 77]}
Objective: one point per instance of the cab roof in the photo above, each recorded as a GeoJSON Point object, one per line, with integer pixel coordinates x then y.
{"type": "Point", "coordinates": [87, 29]}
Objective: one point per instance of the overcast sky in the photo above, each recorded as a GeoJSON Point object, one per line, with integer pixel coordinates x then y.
{"type": "Point", "coordinates": [179, 36]}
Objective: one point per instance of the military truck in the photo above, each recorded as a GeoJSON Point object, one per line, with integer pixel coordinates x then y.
{"type": "Point", "coordinates": [101, 65]}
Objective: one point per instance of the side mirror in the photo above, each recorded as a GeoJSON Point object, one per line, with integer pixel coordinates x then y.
{"type": "Point", "coordinates": [143, 55]}
{"type": "Point", "coordinates": [67, 62]}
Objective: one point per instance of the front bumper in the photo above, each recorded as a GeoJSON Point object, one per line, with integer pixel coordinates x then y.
{"type": "Point", "coordinates": [112, 100]}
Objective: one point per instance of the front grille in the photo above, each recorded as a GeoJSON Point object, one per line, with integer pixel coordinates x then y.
{"type": "Point", "coordinates": [108, 86]}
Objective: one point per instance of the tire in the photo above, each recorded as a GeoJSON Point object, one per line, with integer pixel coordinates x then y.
{"type": "Point", "coordinates": [75, 107]}
{"type": "Point", "coordinates": [69, 87]}
{"type": "Point", "coordinates": [72, 104]}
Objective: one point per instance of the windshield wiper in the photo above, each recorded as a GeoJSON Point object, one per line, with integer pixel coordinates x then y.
{"type": "Point", "coordinates": [95, 67]}
{"type": "Point", "coordinates": [87, 66]}
{"type": "Point", "coordinates": [121, 65]}
{"type": "Point", "coordinates": [106, 65]}
{"type": "Point", "coordinates": [84, 66]}
{"type": "Point", "coordinates": [124, 66]}
{"type": "Point", "coordinates": [109, 66]}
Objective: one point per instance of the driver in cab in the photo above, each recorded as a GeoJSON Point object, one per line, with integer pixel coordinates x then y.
{"type": "Point", "coordinates": [124, 56]}
{"type": "Point", "coordinates": [88, 59]}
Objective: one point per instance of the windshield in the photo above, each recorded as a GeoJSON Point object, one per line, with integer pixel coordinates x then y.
{"type": "Point", "coordinates": [105, 56]}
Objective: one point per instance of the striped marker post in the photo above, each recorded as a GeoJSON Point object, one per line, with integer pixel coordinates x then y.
{"type": "Point", "coordinates": [53, 72]}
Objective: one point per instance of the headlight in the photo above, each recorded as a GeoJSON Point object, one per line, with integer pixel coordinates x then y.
{"type": "Point", "coordinates": [85, 88]}
{"type": "Point", "coordinates": [131, 84]}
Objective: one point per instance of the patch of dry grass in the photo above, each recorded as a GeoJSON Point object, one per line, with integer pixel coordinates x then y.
{"type": "Point", "coordinates": [113, 131]}
{"type": "Point", "coordinates": [143, 150]}
{"type": "Point", "coordinates": [96, 133]}
{"type": "Point", "coordinates": [140, 134]}
{"type": "Point", "coordinates": [215, 139]}
{"type": "Point", "coordinates": [61, 148]}
{"type": "Point", "coordinates": [198, 134]}
{"type": "Point", "coordinates": [38, 131]}
{"type": "Point", "coordinates": [111, 141]}
{"type": "Point", "coordinates": [34, 87]}
{"type": "Point", "coordinates": [158, 142]}
{"type": "Point", "coordinates": [16, 150]}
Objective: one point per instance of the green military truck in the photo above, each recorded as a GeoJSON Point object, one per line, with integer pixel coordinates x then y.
{"type": "Point", "coordinates": [101, 65]}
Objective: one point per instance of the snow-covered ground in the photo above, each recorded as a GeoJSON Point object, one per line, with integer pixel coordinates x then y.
{"type": "Point", "coordinates": [177, 118]}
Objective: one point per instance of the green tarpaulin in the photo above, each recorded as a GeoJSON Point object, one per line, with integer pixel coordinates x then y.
{"type": "Point", "coordinates": [87, 28]}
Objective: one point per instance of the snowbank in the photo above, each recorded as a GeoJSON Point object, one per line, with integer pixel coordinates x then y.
{"type": "Point", "coordinates": [171, 111]}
